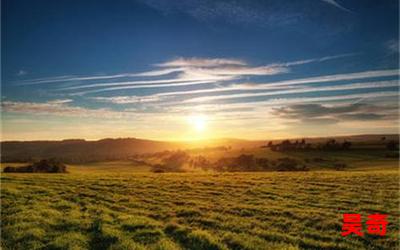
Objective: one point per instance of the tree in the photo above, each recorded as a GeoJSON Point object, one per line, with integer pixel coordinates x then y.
{"type": "Point", "coordinates": [176, 161]}
{"type": "Point", "coordinates": [346, 145]}
{"type": "Point", "coordinates": [392, 145]}
{"type": "Point", "coordinates": [289, 164]}
{"type": "Point", "coordinates": [42, 166]}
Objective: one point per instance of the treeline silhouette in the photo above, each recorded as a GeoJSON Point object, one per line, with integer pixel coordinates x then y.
{"type": "Point", "coordinates": [181, 161]}
{"type": "Point", "coordinates": [42, 166]}
{"type": "Point", "coordinates": [302, 145]}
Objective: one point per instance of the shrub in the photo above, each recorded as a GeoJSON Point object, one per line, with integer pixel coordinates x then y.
{"type": "Point", "coordinates": [392, 155]}
{"type": "Point", "coordinates": [43, 166]}
{"type": "Point", "coordinates": [158, 168]}
{"type": "Point", "coordinates": [174, 162]}
{"type": "Point", "coordinates": [339, 166]}
{"type": "Point", "coordinates": [243, 162]}
{"type": "Point", "coordinates": [392, 146]}
{"type": "Point", "coordinates": [290, 164]}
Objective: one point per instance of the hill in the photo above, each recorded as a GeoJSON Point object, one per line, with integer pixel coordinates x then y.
{"type": "Point", "coordinates": [81, 151]}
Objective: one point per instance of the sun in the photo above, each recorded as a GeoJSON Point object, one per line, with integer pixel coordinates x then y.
{"type": "Point", "coordinates": [199, 122]}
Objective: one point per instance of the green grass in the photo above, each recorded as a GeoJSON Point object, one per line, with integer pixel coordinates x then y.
{"type": "Point", "coordinates": [100, 210]}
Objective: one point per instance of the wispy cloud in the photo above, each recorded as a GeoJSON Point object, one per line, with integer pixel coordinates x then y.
{"type": "Point", "coordinates": [201, 62]}
{"type": "Point", "coordinates": [172, 84]}
{"type": "Point", "coordinates": [164, 95]}
{"type": "Point", "coordinates": [370, 85]}
{"type": "Point", "coordinates": [57, 79]}
{"type": "Point", "coordinates": [335, 4]}
{"type": "Point", "coordinates": [322, 59]}
{"type": "Point", "coordinates": [288, 86]}
{"type": "Point", "coordinates": [190, 71]}
{"type": "Point", "coordinates": [22, 72]}
{"type": "Point", "coordinates": [392, 46]}
{"type": "Point", "coordinates": [266, 13]}
{"type": "Point", "coordinates": [283, 101]}
{"type": "Point", "coordinates": [127, 99]}
{"type": "Point", "coordinates": [59, 108]}
{"type": "Point", "coordinates": [336, 113]}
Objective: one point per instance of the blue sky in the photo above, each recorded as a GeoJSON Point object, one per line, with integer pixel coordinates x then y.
{"type": "Point", "coordinates": [159, 69]}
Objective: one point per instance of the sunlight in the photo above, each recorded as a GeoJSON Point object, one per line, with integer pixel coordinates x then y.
{"type": "Point", "coordinates": [198, 122]}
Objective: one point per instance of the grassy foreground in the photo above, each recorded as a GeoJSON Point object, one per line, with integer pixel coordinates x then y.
{"type": "Point", "coordinates": [195, 211]}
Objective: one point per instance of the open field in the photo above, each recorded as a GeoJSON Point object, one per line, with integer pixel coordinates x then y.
{"type": "Point", "coordinates": [100, 210]}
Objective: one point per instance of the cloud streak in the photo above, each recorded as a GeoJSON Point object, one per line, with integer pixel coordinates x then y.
{"type": "Point", "coordinates": [319, 79]}
{"type": "Point", "coordinates": [189, 70]}
{"type": "Point", "coordinates": [371, 85]}
{"type": "Point", "coordinates": [335, 4]}
{"type": "Point", "coordinates": [59, 108]}
{"type": "Point", "coordinates": [300, 84]}
{"type": "Point", "coordinates": [336, 113]}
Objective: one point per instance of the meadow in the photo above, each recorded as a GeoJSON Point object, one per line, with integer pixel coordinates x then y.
{"type": "Point", "coordinates": [92, 208]}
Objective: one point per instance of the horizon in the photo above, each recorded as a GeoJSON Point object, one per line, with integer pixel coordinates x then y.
{"type": "Point", "coordinates": [203, 140]}
{"type": "Point", "coordinates": [199, 70]}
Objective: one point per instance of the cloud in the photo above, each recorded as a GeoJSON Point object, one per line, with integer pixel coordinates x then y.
{"type": "Point", "coordinates": [288, 85]}
{"type": "Point", "coordinates": [173, 84]}
{"type": "Point", "coordinates": [60, 101]}
{"type": "Point", "coordinates": [362, 116]}
{"type": "Point", "coordinates": [335, 4]}
{"type": "Point", "coordinates": [165, 95]}
{"type": "Point", "coordinates": [193, 71]}
{"type": "Point", "coordinates": [234, 12]}
{"type": "Point", "coordinates": [355, 111]}
{"type": "Point", "coordinates": [57, 79]}
{"type": "Point", "coordinates": [392, 46]}
{"type": "Point", "coordinates": [127, 99]}
{"type": "Point", "coordinates": [322, 59]}
{"type": "Point", "coordinates": [265, 13]}
{"type": "Point", "coordinates": [281, 101]}
{"type": "Point", "coordinates": [201, 62]}
{"type": "Point", "coordinates": [59, 108]}
{"type": "Point", "coordinates": [22, 72]}
{"type": "Point", "coordinates": [260, 86]}
{"type": "Point", "coordinates": [187, 70]}
{"type": "Point", "coordinates": [370, 85]}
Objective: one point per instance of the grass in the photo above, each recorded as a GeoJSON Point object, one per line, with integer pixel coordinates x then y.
{"type": "Point", "coordinates": [92, 209]}
{"type": "Point", "coordinates": [107, 167]}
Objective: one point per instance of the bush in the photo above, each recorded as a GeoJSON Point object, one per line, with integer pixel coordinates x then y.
{"type": "Point", "coordinates": [158, 168]}
{"type": "Point", "coordinates": [43, 166]}
{"type": "Point", "coordinates": [290, 164]}
{"type": "Point", "coordinates": [392, 155]}
{"type": "Point", "coordinates": [392, 146]}
{"type": "Point", "coordinates": [339, 166]}
{"type": "Point", "coordinates": [243, 163]}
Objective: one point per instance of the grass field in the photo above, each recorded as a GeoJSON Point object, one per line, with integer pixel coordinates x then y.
{"type": "Point", "coordinates": [100, 210]}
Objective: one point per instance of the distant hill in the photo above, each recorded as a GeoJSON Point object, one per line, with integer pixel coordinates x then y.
{"type": "Point", "coordinates": [79, 151]}
{"type": "Point", "coordinates": [370, 139]}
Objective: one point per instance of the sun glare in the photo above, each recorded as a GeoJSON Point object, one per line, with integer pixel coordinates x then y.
{"type": "Point", "coordinates": [199, 122]}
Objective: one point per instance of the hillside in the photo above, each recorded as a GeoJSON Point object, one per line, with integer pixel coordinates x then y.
{"type": "Point", "coordinates": [79, 150]}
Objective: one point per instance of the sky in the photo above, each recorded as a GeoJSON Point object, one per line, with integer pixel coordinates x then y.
{"type": "Point", "coordinates": [198, 69]}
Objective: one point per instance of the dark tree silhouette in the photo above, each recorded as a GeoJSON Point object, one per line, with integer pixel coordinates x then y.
{"type": "Point", "coordinates": [392, 145]}
{"type": "Point", "coordinates": [43, 166]}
